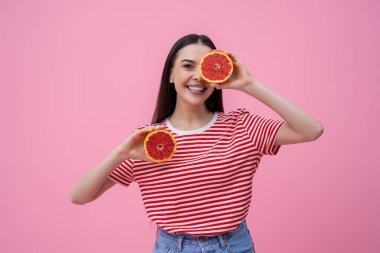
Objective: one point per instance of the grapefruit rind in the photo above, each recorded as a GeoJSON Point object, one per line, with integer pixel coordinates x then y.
{"type": "Point", "coordinates": [147, 138]}
{"type": "Point", "coordinates": [205, 58]}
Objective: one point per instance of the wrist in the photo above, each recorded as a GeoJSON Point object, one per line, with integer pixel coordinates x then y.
{"type": "Point", "coordinates": [120, 153]}
{"type": "Point", "coordinates": [248, 87]}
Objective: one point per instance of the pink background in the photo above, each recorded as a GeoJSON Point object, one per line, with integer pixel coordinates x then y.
{"type": "Point", "coordinates": [78, 76]}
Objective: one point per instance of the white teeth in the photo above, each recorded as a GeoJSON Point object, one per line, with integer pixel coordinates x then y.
{"type": "Point", "coordinates": [196, 88]}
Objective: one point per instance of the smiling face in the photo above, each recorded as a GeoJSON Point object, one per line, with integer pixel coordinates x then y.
{"type": "Point", "coordinates": [190, 88]}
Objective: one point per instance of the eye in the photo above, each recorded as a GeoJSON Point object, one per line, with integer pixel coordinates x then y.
{"type": "Point", "coordinates": [188, 66]}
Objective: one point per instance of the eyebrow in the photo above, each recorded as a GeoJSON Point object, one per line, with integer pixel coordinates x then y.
{"type": "Point", "coordinates": [188, 61]}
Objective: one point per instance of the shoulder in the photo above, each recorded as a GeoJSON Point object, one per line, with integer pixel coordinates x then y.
{"type": "Point", "coordinates": [235, 116]}
{"type": "Point", "coordinates": [237, 113]}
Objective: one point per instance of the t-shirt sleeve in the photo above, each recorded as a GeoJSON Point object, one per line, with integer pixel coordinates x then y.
{"type": "Point", "coordinates": [262, 131]}
{"type": "Point", "coordinates": [123, 174]}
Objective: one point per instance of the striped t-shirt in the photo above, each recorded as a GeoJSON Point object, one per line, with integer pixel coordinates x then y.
{"type": "Point", "coordinates": [206, 188]}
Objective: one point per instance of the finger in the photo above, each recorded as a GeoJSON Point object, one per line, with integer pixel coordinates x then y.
{"type": "Point", "coordinates": [237, 62]}
{"type": "Point", "coordinates": [160, 126]}
{"type": "Point", "coordinates": [150, 128]}
{"type": "Point", "coordinates": [233, 57]}
{"type": "Point", "coordinates": [144, 130]}
{"type": "Point", "coordinates": [216, 86]}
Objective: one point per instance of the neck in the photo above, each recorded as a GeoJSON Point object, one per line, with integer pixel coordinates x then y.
{"type": "Point", "coordinates": [185, 116]}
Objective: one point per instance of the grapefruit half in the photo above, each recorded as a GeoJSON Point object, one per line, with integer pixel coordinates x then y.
{"type": "Point", "coordinates": [216, 67]}
{"type": "Point", "coordinates": [160, 145]}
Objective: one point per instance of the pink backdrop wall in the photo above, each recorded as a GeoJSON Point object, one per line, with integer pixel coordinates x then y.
{"type": "Point", "coordinates": [78, 76]}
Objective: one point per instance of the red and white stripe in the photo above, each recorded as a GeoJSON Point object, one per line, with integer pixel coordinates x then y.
{"type": "Point", "coordinates": [206, 188]}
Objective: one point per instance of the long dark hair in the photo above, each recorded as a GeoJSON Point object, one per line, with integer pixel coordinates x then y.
{"type": "Point", "coordinates": [167, 96]}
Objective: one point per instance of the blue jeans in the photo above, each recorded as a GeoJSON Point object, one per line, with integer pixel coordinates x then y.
{"type": "Point", "coordinates": [237, 241]}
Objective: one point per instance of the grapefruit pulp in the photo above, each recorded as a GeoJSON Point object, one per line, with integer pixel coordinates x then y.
{"type": "Point", "coordinates": [159, 145]}
{"type": "Point", "coordinates": [216, 67]}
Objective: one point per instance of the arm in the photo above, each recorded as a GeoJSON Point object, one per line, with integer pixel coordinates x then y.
{"type": "Point", "coordinates": [95, 181]}
{"type": "Point", "coordinates": [298, 127]}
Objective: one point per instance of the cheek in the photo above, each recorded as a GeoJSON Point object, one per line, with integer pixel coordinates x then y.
{"type": "Point", "coordinates": [176, 74]}
{"type": "Point", "coordinates": [210, 90]}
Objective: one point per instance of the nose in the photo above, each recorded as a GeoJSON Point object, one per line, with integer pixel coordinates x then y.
{"type": "Point", "coordinates": [197, 74]}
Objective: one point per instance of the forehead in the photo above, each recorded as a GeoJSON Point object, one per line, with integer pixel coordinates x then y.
{"type": "Point", "coordinates": [192, 52]}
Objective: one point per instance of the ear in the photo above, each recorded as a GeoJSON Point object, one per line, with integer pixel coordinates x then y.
{"type": "Point", "coordinates": [171, 78]}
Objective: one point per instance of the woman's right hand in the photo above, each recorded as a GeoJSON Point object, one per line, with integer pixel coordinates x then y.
{"type": "Point", "coordinates": [133, 146]}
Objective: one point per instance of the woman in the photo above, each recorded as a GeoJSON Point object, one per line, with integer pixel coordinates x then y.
{"type": "Point", "coordinates": [200, 198]}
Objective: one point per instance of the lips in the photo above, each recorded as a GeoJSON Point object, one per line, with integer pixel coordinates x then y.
{"type": "Point", "coordinates": [196, 89]}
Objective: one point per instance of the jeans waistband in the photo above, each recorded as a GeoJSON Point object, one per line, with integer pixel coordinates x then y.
{"type": "Point", "coordinates": [226, 235]}
{"type": "Point", "coordinates": [187, 239]}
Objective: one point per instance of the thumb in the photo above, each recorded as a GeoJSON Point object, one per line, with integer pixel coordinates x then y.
{"type": "Point", "coordinates": [217, 86]}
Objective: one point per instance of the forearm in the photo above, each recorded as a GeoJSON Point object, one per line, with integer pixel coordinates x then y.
{"type": "Point", "coordinates": [90, 183]}
{"type": "Point", "coordinates": [297, 119]}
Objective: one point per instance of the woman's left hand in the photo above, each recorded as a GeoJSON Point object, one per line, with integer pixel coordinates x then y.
{"type": "Point", "coordinates": [240, 78]}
